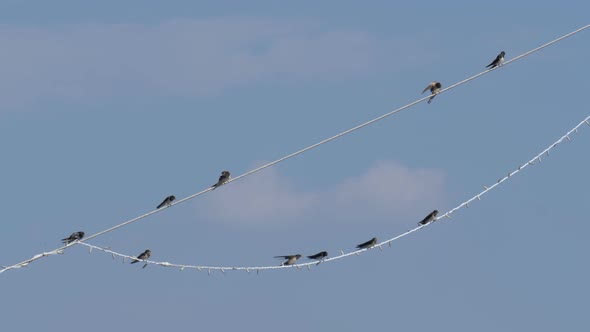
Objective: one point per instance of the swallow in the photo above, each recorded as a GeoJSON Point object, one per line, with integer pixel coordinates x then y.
{"type": "Point", "coordinates": [497, 61]}
{"type": "Point", "coordinates": [290, 259]}
{"type": "Point", "coordinates": [372, 242]}
{"type": "Point", "coordinates": [143, 256]}
{"type": "Point", "coordinates": [166, 201]}
{"type": "Point", "coordinates": [74, 237]}
{"type": "Point", "coordinates": [319, 255]}
{"type": "Point", "coordinates": [434, 88]}
{"type": "Point", "coordinates": [222, 179]}
{"type": "Point", "coordinates": [429, 218]}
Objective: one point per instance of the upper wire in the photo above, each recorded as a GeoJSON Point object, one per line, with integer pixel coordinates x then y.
{"type": "Point", "coordinates": [60, 250]}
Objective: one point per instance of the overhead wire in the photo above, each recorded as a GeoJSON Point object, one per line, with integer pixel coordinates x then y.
{"type": "Point", "coordinates": [60, 250]}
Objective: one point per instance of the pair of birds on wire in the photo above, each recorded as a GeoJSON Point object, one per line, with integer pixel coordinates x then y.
{"type": "Point", "coordinates": [225, 176]}
{"type": "Point", "coordinates": [77, 236]}
{"type": "Point", "coordinates": [435, 86]}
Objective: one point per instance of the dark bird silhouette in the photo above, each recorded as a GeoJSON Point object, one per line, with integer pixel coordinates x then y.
{"type": "Point", "coordinates": [497, 61]}
{"type": "Point", "coordinates": [434, 88]}
{"type": "Point", "coordinates": [372, 242]}
{"type": "Point", "coordinates": [225, 176]}
{"type": "Point", "coordinates": [290, 259]}
{"type": "Point", "coordinates": [429, 218]}
{"type": "Point", "coordinates": [319, 255]}
{"type": "Point", "coordinates": [166, 201]}
{"type": "Point", "coordinates": [74, 237]}
{"type": "Point", "coordinates": [143, 256]}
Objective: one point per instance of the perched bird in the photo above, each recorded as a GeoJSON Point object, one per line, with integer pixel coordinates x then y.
{"type": "Point", "coordinates": [166, 201]}
{"type": "Point", "coordinates": [319, 255]}
{"type": "Point", "coordinates": [290, 259]}
{"type": "Point", "coordinates": [74, 237]}
{"type": "Point", "coordinates": [222, 179]}
{"type": "Point", "coordinates": [143, 256]}
{"type": "Point", "coordinates": [372, 242]}
{"type": "Point", "coordinates": [429, 218]}
{"type": "Point", "coordinates": [434, 88]}
{"type": "Point", "coordinates": [497, 61]}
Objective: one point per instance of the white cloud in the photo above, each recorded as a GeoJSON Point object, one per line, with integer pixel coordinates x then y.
{"type": "Point", "coordinates": [386, 189]}
{"type": "Point", "coordinates": [389, 187]}
{"type": "Point", "coordinates": [265, 198]}
{"type": "Point", "coordinates": [191, 57]}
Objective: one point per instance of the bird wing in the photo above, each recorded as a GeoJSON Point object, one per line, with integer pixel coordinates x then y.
{"type": "Point", "coordinates": [427, 88]}
{"type": "Point", "coordinates": [494, 62]}
{"type": "Point", "coordinates": [362, 245]}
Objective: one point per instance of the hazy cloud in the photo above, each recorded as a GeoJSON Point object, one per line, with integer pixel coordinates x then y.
{"type": "Point", "coordinates": [190, 57]}
{"type": "Point", "coordinates": [387, 188]}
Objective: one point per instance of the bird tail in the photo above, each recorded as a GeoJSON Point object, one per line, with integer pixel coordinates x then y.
{"type": "Point", "coordinates": [134, 261]}
{"type": "Point", "coordinates": [159, 206]}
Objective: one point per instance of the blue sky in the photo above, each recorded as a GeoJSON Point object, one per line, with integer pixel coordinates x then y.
{"type": "Point", "coordinates": [108, 108]}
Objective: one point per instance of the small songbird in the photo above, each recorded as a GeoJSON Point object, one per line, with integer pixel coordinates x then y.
{"type": "Point", "coordinates": [372, 242]}
{"type": "Point", "coordinates": [290, 259]}
{"type": "Point", "coordinates": [143, 256]}
{"type": "Point", "coordinates": [222, 179]}
{"type": "Point", "coordinates": [498, 61]}
{"type": "Point", "coordinates": [429, 218]}
{"type": "Point", "coordinates": [319, 255]}
{"type": "Point", "coordinates": [166, 201]}
{"type": "Point", "coordinates": [434, 88]}
{"type": "Point", "coordinates": [74, 237]}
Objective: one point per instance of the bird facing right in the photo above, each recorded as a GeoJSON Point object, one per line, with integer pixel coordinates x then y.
{"type": "Point", "coordinates": [225, 176]}
{"type": "Point", "coordinates": [498, 61]}
{"type": "Point", "coordinates": [434, 88]}
{"type": "Point", "coordinates": [143, 256]}
{"type": "Point", "coordinates": [74, 237]}
{"type": "Point", "coordinates": [319, 255]}
{"type": "Point", "coordinates": [369, 244]}
{"type": "Point", "coordinates": [167, 201]}
{"type": "Point", "coordinates": [429, 218]}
